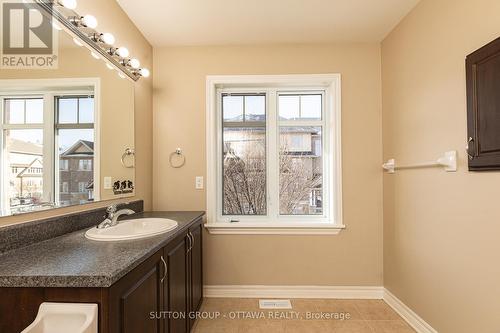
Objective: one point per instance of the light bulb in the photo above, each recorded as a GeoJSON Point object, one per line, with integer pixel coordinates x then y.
{"type": "Point", "coordinates": [122, 52]}
{"type": "Point", "coordinates": [89, 21]}
{"type": "Point", "coordinates": [70, 4]}
{"type": "Point", "coordinates": [109, 66]}
{"type": "Point", "coordinates": [134, 63]}
{"type": "Point", "coordinates": [121, 75]}
{"type": "Point", "coordinates": [77, 41]}
{"type": "Point", "coordinates": [95, 55]}
{"type": "Point", "coordinates": [108, 38]}
{"type": "Point", "coordinates": [144, 72]}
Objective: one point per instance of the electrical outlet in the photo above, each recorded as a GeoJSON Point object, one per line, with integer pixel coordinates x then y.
{"type": "Point", "coordinates": [108, 183]}
{"type": "Point", "coordinates": [199, 183]}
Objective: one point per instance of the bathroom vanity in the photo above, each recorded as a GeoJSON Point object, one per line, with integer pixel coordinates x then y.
{"type": "Point", "coordinates": [68, 139]}
{"type": "Point", "coordinates": [147, 285]}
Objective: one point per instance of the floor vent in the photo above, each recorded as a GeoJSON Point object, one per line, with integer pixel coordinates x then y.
{"type": "Point", "coordinates": [275, 304]}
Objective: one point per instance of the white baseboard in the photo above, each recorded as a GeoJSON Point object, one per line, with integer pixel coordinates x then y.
{"type": "Point", "coordinates": [407, 314]}
{"type": "Point", "coordinates": [339, 292]}
{"type": "Point", "coordinates": [253, 291]}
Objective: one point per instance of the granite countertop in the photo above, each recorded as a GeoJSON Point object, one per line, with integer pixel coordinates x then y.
{"type": "Point", "coordinates": [72, 260]}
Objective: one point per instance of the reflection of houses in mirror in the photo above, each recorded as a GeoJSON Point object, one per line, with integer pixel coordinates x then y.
{"type": "Point", "coordinates": [26, 165]}
{"type": "Point", "coordinates": [76, 173]}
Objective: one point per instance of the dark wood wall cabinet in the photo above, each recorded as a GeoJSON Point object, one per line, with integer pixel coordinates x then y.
{"type": "Point", "coordinates": [483, 107]}
{"type": "Point", "coordinates": [161, 295]}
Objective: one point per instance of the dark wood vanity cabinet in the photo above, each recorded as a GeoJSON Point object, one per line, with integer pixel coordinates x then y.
{"type": "Point", "coordinates": [483, 107]}
{"type": "Point", "coordinates": [184, 293]}
{"type": "Point", "coordinates": [155, 297]}
{"type": "Point", "coordinates": [177, 289]}
{"type": "Point", "coordinates": [134, 297]}
{"type": "Point", "coordinates": [161, 295]}
{"type": "Point", "coordinates": [196, 270]}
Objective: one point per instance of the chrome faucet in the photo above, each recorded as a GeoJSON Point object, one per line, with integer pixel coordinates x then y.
{"type": "Point", "coordinates": [113, 215]}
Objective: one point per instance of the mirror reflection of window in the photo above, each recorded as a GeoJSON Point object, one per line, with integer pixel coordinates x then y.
{"type": "Point", "coordinates": [75, 142]}
{"type": "Point", "coordinates": [33, 173]}
{"type": "Point", "coordinates": [23, 152]}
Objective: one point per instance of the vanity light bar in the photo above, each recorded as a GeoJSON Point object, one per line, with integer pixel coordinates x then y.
{"type": "Point", "coordinates": [82, 28]}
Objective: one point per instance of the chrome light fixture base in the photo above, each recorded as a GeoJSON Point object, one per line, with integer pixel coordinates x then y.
{"type": "Point", "coordinates": [89, 37]}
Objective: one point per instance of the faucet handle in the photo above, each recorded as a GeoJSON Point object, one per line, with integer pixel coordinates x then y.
{"type": "Point", "coordinates": [112, 209]}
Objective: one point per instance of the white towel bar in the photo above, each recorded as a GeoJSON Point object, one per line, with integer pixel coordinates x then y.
{"type": "Point", "coordinates": [448, 161]}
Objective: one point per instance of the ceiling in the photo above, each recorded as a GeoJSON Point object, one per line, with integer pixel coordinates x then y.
{"type": "Point", "coordinates": [238, 22]}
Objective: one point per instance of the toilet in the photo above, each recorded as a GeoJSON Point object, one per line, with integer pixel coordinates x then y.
{"type": "Point", "coordinates": [64, 318]}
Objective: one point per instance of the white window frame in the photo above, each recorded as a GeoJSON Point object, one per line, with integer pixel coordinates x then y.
{"type": "Point", "coordinates": [331, 221]}
{"type": "Point", "coordinates": [19, 88]}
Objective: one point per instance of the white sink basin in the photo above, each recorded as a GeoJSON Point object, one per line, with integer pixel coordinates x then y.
{"type": "Point", "coordinates": [132, 229]}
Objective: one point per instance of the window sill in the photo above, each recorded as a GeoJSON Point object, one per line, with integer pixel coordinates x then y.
{"type": "Point", "coordinates": [273, 229]}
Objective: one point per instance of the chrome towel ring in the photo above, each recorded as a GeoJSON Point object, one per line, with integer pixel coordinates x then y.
{"type": "Point", "coordinates": [128, 152]}
{"type": "Point", "coordinates": [178, 154]}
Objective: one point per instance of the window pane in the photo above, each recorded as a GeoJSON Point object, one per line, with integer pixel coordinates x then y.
{"type": "Point", "coordinates": [86, 110]}
{"type": "Point", "coordinates": [76, 156]}
{"type": "Point", "coordinates": [289, 107]}
{"type": "Point", "coordinates": [34, 111]}
{"type": "Point", "coordinates": [232, 108]}
{"type": "Point", "coordinates": [14, 111]}
{"type": "Point", "coordinates": [244, 171]}
{"type": "Point", "coordinates": [255, 108]}
{"type": "Point", "coordinates": [24, 158]}
{"type": "Point", "coordinates": [310, 107]}
{"type": "Point", "coordinates": [301, 171]}
{"type": "Point", "coordinates": [63, 164]}
{"type": "Point", "coordinates": [68, 110]}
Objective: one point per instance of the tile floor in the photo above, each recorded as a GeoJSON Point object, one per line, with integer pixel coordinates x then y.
{"type": "Point", "coordinates": [239, 315]}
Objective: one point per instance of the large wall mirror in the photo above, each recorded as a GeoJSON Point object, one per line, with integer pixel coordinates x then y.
{"type": "Point", "coordinates": [64, 132]}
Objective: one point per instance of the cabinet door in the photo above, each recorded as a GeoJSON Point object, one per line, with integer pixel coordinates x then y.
{"type": "Point", "coordinates": [196, 267]}
{"type": "Point", "coordinates": [136, 297]}
{"type": "Point", "coordinates": [175, 291]}
{"type": "Point", "coordinates": [483, 107]}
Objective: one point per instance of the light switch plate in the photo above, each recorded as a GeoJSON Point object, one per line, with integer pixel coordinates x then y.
{"type": "Point", "coordinates": [108, 183]}
{"type": "Point", "coordinates": [199, 183]}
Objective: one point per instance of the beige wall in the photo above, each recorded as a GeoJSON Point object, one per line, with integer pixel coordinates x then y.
{"type": "Point", "coordinates": [352, 258]}
{"type": "Point", "coordinates": [111, 18]}
{"type": "Point", "coordinates": [441, 248]}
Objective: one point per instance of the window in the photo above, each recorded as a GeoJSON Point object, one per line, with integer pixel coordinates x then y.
{"type": "Point", "coordinates": [63, 165]}
{"type": "Point", "coordinates": [85, 165]}
{"type": "Point", "coordinates": [244, 154]}
{"type": "Point", "coordinates": [30, 125]}
{"type": "Point", "coordinates": [274, 154]}
{"type": "Point", "coordinates": [82, 187]}
{"type": "Point", "coordinates": [23, 137]}
{"type": "Point", "coordinates": [23, 110]}
{"type": "Point", "coordinates": [75, 141]}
